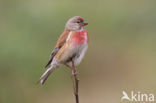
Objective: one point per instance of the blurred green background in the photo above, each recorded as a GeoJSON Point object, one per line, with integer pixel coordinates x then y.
{"type": "Point", "coordinates": [121, 54]}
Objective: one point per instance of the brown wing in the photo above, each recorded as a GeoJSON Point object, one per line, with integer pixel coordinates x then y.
{"type": "Point", "coordinates": [62, 38]}
{"type": "Point", "coordinates": [60, 43]}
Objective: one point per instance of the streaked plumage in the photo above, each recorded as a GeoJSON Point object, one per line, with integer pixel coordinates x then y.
{"type": "Point", "coordinates": [72, 44]}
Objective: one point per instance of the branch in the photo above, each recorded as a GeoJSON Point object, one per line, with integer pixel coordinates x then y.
{"type": "Point", "coordinates": [75, 81]}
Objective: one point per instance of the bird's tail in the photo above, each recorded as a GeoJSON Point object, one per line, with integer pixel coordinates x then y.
{"type": "Point", "coordinates": [45, 75]}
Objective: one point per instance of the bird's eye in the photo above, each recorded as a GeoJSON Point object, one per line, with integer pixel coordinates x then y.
{"type": "Point", "coordinates": [78, 21]}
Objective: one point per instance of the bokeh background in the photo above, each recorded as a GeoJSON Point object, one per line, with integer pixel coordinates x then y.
{"type": "Point", "coordinates": [121, 54]}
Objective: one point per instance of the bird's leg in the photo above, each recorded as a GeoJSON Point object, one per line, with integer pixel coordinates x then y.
{"type": "Point", "coordinates": [69, 67]}
{"type": "Point", "coordinates": [74, 72]}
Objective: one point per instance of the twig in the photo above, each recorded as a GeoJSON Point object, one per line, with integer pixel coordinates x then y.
{"type": "Point", "coordinates": [75, 81]}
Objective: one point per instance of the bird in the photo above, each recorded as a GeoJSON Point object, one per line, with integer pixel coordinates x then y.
{"type": "Point", "coordinates": [70, 47]}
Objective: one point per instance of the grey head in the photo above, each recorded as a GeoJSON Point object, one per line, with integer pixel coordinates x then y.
{"type": "Point", "coordinates": [76, 23]}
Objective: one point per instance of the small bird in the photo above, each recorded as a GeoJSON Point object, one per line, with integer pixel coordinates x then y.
{"type": "Point", "coordinates": [70, 48]}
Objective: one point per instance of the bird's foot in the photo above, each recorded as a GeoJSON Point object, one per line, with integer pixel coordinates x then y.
{"type": "Point", "coordinates": [74, 73]}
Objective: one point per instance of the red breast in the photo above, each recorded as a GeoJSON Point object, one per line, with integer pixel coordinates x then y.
{"type": "Point", "coordinates": [80, 37]}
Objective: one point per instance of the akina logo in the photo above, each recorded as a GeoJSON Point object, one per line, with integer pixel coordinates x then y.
{"type": "Point", "coordinates": [137, 97]}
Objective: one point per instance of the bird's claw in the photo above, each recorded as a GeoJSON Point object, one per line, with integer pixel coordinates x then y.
{"type": "Point", "coordinates": [74, 73]}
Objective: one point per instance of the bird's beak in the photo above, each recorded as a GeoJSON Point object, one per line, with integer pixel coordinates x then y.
{"type": "Point", "coordinates": [84, 23]}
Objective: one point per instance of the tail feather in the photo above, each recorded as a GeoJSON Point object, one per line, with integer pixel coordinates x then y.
{"type": "Point", "coordinates": [45, 75]}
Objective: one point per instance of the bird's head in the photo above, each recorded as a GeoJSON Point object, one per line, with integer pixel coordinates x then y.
{"type": "Point", "coordinates": [76, 23]}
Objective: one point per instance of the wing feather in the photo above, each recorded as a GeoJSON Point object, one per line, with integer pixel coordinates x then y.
{"type": "Point", "coordinates": [60, 43]}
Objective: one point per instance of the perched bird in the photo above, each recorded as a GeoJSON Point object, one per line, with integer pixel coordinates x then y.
{"type": "Point", "coordinates": [70, 47]}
